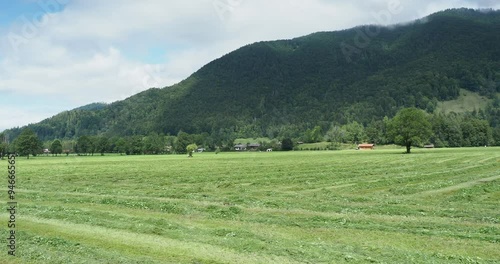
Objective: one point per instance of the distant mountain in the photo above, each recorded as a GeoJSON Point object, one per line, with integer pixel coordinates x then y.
{"type": "Point", "coordinates": [278, 87]}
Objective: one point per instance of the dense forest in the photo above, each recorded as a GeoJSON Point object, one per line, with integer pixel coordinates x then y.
{"type": "Point", "coordinates": [289, 88]}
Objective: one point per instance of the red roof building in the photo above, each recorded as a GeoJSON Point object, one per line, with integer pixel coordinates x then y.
{"type": "Point", "coordinates": [366, 146]}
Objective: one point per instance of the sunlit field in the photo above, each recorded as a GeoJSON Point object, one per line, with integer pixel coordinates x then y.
{"type": "Point", "coordinates": [381, 206]}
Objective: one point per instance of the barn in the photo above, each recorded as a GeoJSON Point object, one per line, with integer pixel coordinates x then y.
{"type": "Point", "coordinates": [366, 146]}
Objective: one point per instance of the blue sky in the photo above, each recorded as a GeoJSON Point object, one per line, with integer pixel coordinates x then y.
{"type": "Point", "coordinates": [56, 55]}
{"type": "Point", "coordinates": [11, 10]}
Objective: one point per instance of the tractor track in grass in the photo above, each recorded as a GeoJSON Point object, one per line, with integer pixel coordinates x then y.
{"type": "Point", "coordinates": [126, 197]}
{"type": "Point", "coordinates": [459, 186]}
{"type": "Point", "coordinates": [159, 248]}
{"type": "Point", "coordinates": [297, 212]}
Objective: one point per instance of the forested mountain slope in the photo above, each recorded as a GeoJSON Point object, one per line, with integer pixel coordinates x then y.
{"type": "Point", "coordinates": [278, 87]}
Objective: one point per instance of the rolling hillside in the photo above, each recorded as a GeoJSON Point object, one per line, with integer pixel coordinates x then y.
{"type": "Point", "coordinates": [266, 88]}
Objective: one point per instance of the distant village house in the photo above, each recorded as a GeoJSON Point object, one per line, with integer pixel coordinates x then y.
{"type": "Point", "coordinates": [245, 147]}
{"type": "Point", "coordinates": [240, 147]}
{"type": "Point", "coordinates": [366, 146]}
{"type": "Point", "coordinates": [253, 146]}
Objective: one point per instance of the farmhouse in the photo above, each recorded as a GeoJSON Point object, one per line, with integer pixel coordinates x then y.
{"type": "Point", "coordinates": [366, 146]}
{"type": "Point", "coordinates": [240, 147]}
{"type": "Point", "coordinates": [253, 146]}
{"type": "Point", "coordinates": [244, 147]}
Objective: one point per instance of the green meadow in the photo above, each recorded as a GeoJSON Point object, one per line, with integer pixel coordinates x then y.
{"type": "Point", "coordinates": [466, 102]}
{"type": "Point", "coordinates": [380, 206]}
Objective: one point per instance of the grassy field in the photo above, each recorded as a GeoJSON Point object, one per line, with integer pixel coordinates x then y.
{"type": "Point", "coordinates": [467, 102]}
{"type": "Point", "coordinates": [381, 206]}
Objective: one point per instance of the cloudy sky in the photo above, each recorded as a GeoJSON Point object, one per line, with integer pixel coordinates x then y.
{"type": "Point", "coordinates": [56, 55]}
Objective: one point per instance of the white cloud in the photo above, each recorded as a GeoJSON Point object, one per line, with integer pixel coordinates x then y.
{"type": "Point", "coordinates": [84, 54]}
{"type": "Point", "coordinates": [18, 116]}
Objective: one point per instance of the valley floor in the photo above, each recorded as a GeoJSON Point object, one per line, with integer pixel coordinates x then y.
{"type": "Point", "coordinates": [381, 206]}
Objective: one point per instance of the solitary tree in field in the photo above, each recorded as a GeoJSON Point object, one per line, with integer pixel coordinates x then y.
{"type": "Point", "coordinates": [28, 143]}
{"type": "Point", "coordinates": [56, 147]}
{"type": "Point", "coordinates": [190, 149]}
{"type": "Point", "coordinates": [410, 127]}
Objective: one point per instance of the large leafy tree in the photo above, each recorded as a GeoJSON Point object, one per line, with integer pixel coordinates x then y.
{"type": "Point", "coordinates": [190, 149]}
{"type": "Point", "coordinates": [122, 146]}
{"type": "Point", "coordinates": [102, 145]}
{"type": "Point", "coordinates": [410, 127]}
{"type": "Point", "coordinates": [56, 147]}
{"type": "Point", "coordinates": [183, 140]}
{"type": "Point", "coordinates": [153, 144]}
{"type": "Point", "coordinates": [135, 145]}
{"type": "Point", "coordinates": [84, 145]}
{"type": "Point", "coordinates": [28, 143]}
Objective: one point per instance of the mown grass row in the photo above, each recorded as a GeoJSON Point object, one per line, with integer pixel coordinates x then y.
{"type": "Point", "coordinates": [301, 207]}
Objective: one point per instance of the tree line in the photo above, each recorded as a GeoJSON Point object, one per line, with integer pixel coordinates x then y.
{"type": "Point", "coordinates": [28, 144]}
{"type": "Point", "coordinates": [446, 130]}
{"type": "Point", "coordinates": [409, 127]}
